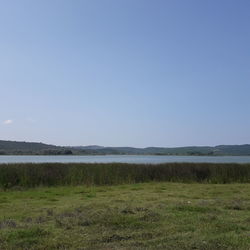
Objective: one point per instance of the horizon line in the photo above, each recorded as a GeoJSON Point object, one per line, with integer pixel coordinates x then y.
{"type": "Point", "coordinates": [91, 145]}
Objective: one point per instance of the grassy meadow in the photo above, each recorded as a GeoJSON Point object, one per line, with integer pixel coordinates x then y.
{"type": "Point", "coordinates": [205, 206]}
{"type": "Point", "coordinates": [135, 216]}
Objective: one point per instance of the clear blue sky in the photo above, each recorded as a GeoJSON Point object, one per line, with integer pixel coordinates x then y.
{"type": "Point", "coordinates": [125, 72]}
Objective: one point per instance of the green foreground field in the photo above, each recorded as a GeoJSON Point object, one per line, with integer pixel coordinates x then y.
{"type": "Point", "coordinates": [133, 216]}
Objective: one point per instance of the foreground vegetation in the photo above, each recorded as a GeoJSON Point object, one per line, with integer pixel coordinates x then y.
{"type": "Point", "coordinates": [125, 206]}
{"type": "Point", "coordinates": [53, 174]}
{"type": "Point", "coordinates": [136, 216]}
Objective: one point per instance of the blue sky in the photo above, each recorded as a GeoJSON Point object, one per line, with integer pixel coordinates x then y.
{"type": "Point", "coordinates": [125, 72]}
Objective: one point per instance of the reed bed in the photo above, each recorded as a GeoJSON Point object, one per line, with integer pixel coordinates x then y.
{"type": "Point", "coordinates": [58, 174]}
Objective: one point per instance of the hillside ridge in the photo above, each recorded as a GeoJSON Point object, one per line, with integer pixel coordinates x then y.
{"type": "Point", "coordinates": [39, 148]}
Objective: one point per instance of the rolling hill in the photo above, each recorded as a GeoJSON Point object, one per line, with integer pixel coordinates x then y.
{"type": "Point", "coordinates": [34, 148]}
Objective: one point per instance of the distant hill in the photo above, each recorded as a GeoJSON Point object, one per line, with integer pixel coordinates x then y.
{"type": "Point", "coordinates": [30, 148]}
{"type": "Point", "coordinates": [88, 147]}
{"type": "Point", "coordinates": [34, 148]}
{"type": "Point", "coordinates": [217, 150]}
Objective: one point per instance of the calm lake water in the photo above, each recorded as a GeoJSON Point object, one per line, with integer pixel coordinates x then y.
{"type": "Point", "coordinates": [122, 158]}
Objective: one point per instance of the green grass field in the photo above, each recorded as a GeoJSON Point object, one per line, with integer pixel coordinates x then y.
{"type": "Point", "coordinates": [155, 215]}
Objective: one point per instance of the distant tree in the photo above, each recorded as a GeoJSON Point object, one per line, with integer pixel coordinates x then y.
{"type": "Point", "coordinates": [68, 152]}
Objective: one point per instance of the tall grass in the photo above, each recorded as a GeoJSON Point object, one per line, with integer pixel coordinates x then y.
{"type": "Point", "coordinates": [52, 174]}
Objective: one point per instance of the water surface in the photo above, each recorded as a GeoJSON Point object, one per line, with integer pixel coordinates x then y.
{"type": "Point", "coordinates": [153, 159]}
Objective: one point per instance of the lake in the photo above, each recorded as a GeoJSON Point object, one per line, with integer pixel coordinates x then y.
{"type": "Point", "coordinates": [152, 159]}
